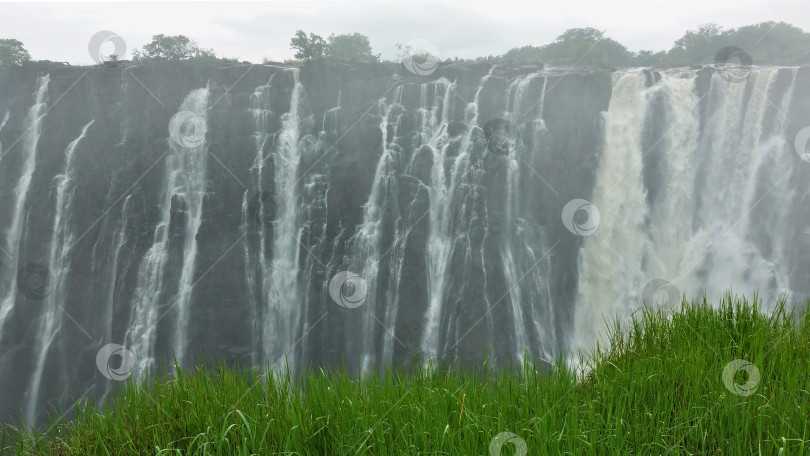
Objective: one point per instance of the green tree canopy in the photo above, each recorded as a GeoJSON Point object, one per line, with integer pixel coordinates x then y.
{"type": "Point", "coordinates": [346, 47]}
{"type": "Point", "coordinates": [178, 47]}
{"type": "Point", "coordinates": [577, 46]}
{"type": "Point", "coordinates": [767, 43]}
{"type": "Point", "coordinates": [698, 46]}
{"type": "Point", "coordinates": [352, 46]}
{"type": "Point", "coordinates": [581, 34]}
{"type": "Point", "coordinates": [12, 52]}
{"type": "Point", "coordinates": [586, 46]}
{"type": "Point", "coordinates": [650, 58]}
{"type": "Point", "coordinates": [308, 48]}
{"type": "Point", "coordinates": [524, 54]}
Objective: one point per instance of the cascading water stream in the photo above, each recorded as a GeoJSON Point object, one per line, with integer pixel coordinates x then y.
{"type": "Point", "coordinates": [365, 245]}
{"type": "Point", "coordinates": [2, 125]}
{"type": "Point", "coordinates": [184, 185]}
{"type": "Point", "coordinates": [118, 267]}
{"type": "Point", "coordinates": [524, 266]}
{"type": "Point", "coordinates": [191, 187]}
{"type": "Point", "coordinates": [442, 240]}
{"type": "Point", "coordinates": [455, 186]}
{"type": "Point", "coordinates": [62, 239]}
{"type": "Point", "coordinates": [438, 247]}
{"type": "Point", "coordinates": [279, 215]}
{"type": "Point", "coordinates": [689, 226]}
{"type": "Point", "coordinates": [614, 293]}
{"type": "Point", "coordinates": [254, 212]}
{"type": "Point", "coordinates": [772, 196]}
{"type": "Point", "coordinates": [731, 259]}
{"type": "Point", "coordinates": [14, 232]}
{"type": "Point", "coordinates": [282, 317]}
{"type": "Point", "coordinates": [457, 237]}
{"type": "Point", "coordinates": [386, 228]}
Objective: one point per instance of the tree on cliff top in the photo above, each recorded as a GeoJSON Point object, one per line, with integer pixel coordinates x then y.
{"type": "Point", "coordinates": [178, 47]}
{"type": "Point", "coordinates": [586, 46]}
{"type": "Point", "coordinates": [308, 48]}
{"type": "Point", "coordinates": [12, 52]}
{"type": "Point", "coordinates": [352, 46]}
{"type": "Point", "coordinates": [699, 46]}
{"type": "Point", "coordinates": [576, 46]}
{"type": "Point", "coordinates": [766, 43]}
{"type": "Point", "coordinates": [346, 47]}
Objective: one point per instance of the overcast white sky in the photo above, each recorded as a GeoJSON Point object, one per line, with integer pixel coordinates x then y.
{"type": "Point", "coordinates": [255, 30]}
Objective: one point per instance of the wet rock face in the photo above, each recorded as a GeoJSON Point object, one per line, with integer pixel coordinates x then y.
{"type": "Point", "coordinates": [401, 184]}
{"type": "Point", "coordinates": [343, 132]}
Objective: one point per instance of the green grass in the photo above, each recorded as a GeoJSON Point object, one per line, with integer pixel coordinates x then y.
{"type": "Point", "coordinates": [657, 389]}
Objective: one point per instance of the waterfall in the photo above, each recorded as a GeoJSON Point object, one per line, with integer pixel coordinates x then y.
{"type": "Point", "coordinates": [254, 212]}
{"type": "Point", "coordinates": [278, 217]}
{"type": "Point", "coordinates": [690, 224]}
{"type": "Point", "coordinates": [116, 269]}
{"type": "Point", "coordinates": [458, 251]}
{"type": "Point", "coordinates": [462, 181]}
{"type": "Point", "coordinates": [365, 245]}
{"type": "Point", "coordinates": [438, 244]}
{"type": "Point", "coordinates": [440, 196]}
{"type": "Point", "coordinates": [444, 238]}
{"type": "Point", "coordinates": [525, 265]}
{"type": "Point", "coordinates": [603, 294]}
{"type": "Point", "coordinates": [184, 190]}
{"type": "Point", "coordinates": [191, 184]}
{"type": "Point", "coordinates": [14, 232]}
{"type": "Point", "coordinates": [282, 317]}
{"type": "Point", "coordinates": [59, 264]}
{"type": "Point", "coordinates": [773, 198]}
{"type": "Point", "coordinates": [731, 258]}
{"type": "Point", "coordinates": [314, 214]}
{"type": "Point", "coordinates": [3, 124]}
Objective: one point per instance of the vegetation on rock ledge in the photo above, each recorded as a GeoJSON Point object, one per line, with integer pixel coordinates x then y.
{"type": "Point", "coordinates": [662, 387]}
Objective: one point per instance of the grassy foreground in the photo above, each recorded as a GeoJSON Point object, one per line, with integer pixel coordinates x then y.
{"type": "Point", "coordinates": [662, 387]}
